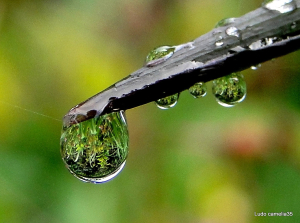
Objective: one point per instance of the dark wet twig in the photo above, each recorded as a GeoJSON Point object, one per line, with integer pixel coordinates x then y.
{"type": "Point", "coordinates": [199, 61]}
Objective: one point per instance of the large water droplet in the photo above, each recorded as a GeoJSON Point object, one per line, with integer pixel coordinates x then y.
{"type": "Point", "coordinates": [282, 6]}
{"type": "Point", "coordinates": [95, 150]}
{"type": "Point", "coordinates": [229, 90]}
{"type": "Point", "coordinates": [225, 22]}
{"type": "Point", "coordinates": [198, 90]}
{"type": "Point", "coordinates": [167, 102]}
{"type": "Point", "coordinates": [233, 31]}
{"type": "Point", "coordinates": [159, 55]}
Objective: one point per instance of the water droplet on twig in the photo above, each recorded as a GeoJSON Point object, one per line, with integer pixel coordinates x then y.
{"type": "Point", "coordinates": [229, 90]}
{"type": "Point", "coordinates": [95, 150]}
{"type": "Point", "coordinates": [167, 102]}
{"type": "Point", "coordinates": [198, 90]}
{"type": "Point", "coordinates": [233, 31]}
{"type": "Point", "coordinates": [282, 6]}
{"type": "Point", "coordinates": [159, 55]}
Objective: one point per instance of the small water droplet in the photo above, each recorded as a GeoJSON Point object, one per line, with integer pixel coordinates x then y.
{"type": "Point", "coordinates": [255, 67]}
{"type": "Point", "coordinates": [229, 90]}
{"type": "Point", "coordinates": [233, 31]}
{"type": "Point", "coordinates": [198, 90]}
{"type": "Point", "coordinates": [167, 102]}
{"type": "Point", "coordinates": [294, 25]}
{"type": "Point", "coordinates": [95, 150]}
{"type": "Point", "coordinates": [225, 22]}
{"type": "Point", "coordinates": [219, 41]}
{"type": "Point", "coordinates": [159, 55]}
{"type": "Point", "coordinates": [282, 6]}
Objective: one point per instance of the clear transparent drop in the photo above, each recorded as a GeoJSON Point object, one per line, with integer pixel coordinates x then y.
{"type": "Point", "coordinates": [219, 41]}
{"type": "Point", "coordinates": [233, 31]}
{"type": "Point", "coordinates": [225, 22]}
{"type": "Point", "coordinates": [95, 150]}
{"type": "Point", "coordinates": [282, 6]}
{"type": "Point", "coordinates": [159, 55]}
{"type": "Point", "coordinates": [198, 90]}
{"type": "Point", "coordinates": [255, 67]}
{"type": "Point", "coordinates": [167, 102]}
{"type": "Point", "coordinates": [229, 90]}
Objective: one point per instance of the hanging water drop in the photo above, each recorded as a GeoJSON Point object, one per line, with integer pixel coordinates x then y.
{"type": "Point", "coordinates": [95, 150]}
{"type": "Point", "coordinates": [159, 55]}
{"type": "Point", "coordinates": [198, 90]}
{"type": "Point", "coordinates": [282, 6]}
{"type": "Point", "coordinates": [167, 102]}
{"type": "Point", "coordinates": [233, 31]}
{"type": "Point", "coordinates": [229, 90]}
{"type": "Point", "coordinates": [225, 22]}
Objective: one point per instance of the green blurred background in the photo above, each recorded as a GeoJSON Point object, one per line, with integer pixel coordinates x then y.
{"type": "Point", "coordinates": [197, 162]}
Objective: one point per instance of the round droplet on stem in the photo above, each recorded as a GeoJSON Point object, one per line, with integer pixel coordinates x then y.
{"type": "Point", "coordinates": [219, 41]}
{"type": "Point", "coordinates": [229, 90]}
{"type": "Point", "coordinates": [167, 102]}
{"type": "Point", "coordinates": [95, 150]}
{"type": "Point", "coordinates": [225, 22]}
{"type": "Point", "coordinates": [159, 55]}
{"type": "Point", "coordinates": [233, 31]}
{"type": "Point", "coordinates": [281, 6]}
{"type": "Point", "coordinates": [198, 90]}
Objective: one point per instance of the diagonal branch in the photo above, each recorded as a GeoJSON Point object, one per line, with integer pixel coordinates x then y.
{"type": "Point", "coordinates": [275, 34]}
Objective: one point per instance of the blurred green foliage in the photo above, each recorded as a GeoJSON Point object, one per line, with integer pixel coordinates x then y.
{"type": "Point", "coordinates": [197, 162]}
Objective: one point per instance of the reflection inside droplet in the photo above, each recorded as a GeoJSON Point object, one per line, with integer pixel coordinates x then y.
{"type": "Point", "coordinates": [167, 102]}
{"type": "Point", "coordinates": [95, 150]}
{"type": "Point", "coordinates": [198, 90]}
{"type": "Point", "coordinates": [159, 55]}
{"type": "Point", "coordinates": [229, 90]}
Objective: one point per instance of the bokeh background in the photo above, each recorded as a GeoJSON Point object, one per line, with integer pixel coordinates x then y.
{"type": "Point", "coordinates": [197, 162]}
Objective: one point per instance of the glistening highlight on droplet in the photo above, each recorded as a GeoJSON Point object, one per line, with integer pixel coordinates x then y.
{"type": "Point", "coordinates": [281, 6]}
{"type": "Point", "coordinates": [95, 150]}
{"type": "Point", "coordinates": [198, 90]}
{"type": "Point", "coordinates": [229, 90]}
{"type": "Point", "coordinates": [233, 31]}
{"type": "Point", "coordinates": [159, 55]}
{"type": "Point", "coordinates": [167, 102]}
{"type": "Point", "coordinates": [218, 40]}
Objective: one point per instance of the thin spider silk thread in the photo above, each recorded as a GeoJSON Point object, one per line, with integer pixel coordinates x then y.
{"type": "Point", "coordinates": [30, 111]}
